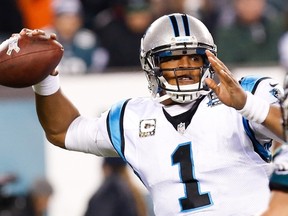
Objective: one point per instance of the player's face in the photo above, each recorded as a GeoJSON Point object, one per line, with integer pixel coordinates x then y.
{"type": "Point", "coordinates": [176, 69]}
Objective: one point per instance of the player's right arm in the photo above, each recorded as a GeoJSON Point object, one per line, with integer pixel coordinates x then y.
{"type": "Point", "coordinates": [55, 113]}
{"type": "Point", "coordinates": [63, 125]}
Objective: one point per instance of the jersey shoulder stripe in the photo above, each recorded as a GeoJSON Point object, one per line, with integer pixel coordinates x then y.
{"type": "Point", "coordinates": [115, 126]}
{"type": "Point", "coordinates": [250, 83]}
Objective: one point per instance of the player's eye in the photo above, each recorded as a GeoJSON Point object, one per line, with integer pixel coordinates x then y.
{"type": "Point", "coordinates": [169, 58]}
{"type": "Point", "coordinates": [196, 58]}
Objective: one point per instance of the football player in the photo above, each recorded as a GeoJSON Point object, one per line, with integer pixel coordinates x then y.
{"type": "Point", "coordinates": [199, 146]}
{"type": "Point", "coordinates": [278, 205]}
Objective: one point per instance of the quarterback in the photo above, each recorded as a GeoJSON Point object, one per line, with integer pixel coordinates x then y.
{"type": "Point", "coordinates": [199, 146]}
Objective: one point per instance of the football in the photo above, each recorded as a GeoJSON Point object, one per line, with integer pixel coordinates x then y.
{"type": "Point", "coordinates": [26, 60]}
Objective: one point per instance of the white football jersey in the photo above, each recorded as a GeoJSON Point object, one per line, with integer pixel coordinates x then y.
{"type": "Point", "coordinates": [214, 165]}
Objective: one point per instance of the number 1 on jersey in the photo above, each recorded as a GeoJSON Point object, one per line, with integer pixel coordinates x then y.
{"type": "Point", "coordinates": [194, 199]}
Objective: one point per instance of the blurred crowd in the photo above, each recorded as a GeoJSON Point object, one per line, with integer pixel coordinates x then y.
{"type": "Point", "coordinates": [104, 35]}
{"type": "Point", "coordinates": [32, 203]}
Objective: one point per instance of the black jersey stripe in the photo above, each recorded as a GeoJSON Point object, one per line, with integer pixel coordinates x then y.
{"type": "Point", "coordinates": [257, 83]}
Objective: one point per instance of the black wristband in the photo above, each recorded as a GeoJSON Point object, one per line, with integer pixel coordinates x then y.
{"type": "Point", "coordinates": [279, 181]}
{"type": "Point", "coordinates": [278, 187]}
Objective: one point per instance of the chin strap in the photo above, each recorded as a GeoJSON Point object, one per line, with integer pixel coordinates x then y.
{"type": "Point", "coordinates": [182, 98]}
{"type": "Point", "coordinates": [163, 98]}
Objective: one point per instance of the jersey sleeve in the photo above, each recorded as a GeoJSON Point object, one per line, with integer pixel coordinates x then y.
{"type": "Point", "coordinates": [84, 135]}
{"type": "Point", "coordinates": [269, 90]}
{"type": "Point", "coordinates": [264, 87]}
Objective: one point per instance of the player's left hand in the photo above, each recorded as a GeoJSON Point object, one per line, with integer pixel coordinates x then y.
{"type": "Point", "coordinates": [228, 90]}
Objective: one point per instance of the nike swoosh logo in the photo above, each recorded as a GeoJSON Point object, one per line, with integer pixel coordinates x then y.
{"type": "Point", "coordinates": [273, 85]}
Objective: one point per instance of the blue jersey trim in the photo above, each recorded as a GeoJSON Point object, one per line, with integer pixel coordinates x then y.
{"type": "Point", "coordinates": [116, 131]}
{"type": "Point", "coordinates": [262, 150]}
{"type": "Point", "coordinates": [115, 127]}
{"type": "Point", "coordinates": [250, 83]}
